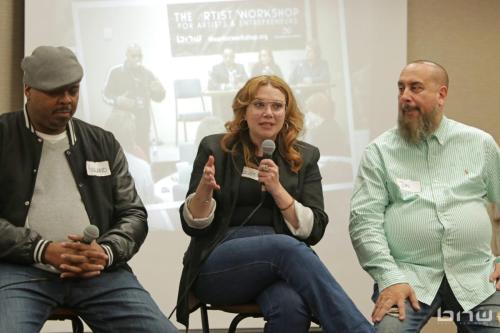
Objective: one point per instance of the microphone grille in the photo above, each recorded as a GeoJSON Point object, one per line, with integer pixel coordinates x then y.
{"type": "Point", "coordinates": [91, 232]}
{"type": "Point", "coordinates": [268, 147]}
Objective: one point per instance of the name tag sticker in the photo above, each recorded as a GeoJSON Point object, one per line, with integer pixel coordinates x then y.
{"type": "Point", "coordinates": [250, 173]}
{"type": "Point", "coordinates": [409, 185]}
{"type": "Point", "coordinates": [99, 169]}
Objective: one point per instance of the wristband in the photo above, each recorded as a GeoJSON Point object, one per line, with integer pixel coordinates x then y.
{"type": "Point", "coordinates": [42, 255]}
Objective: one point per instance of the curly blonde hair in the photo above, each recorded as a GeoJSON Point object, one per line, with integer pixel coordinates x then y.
{"type": "Point", "coordinates": [237, 129]}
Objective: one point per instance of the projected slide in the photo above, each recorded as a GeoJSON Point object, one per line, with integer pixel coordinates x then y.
{"type": "Point", "coordinates": [205, 28]}
{"type": "Point", "coordinates": [162, 74]}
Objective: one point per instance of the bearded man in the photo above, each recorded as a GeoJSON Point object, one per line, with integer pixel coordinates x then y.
{"type": "Point", "coordinates": [419, 221]}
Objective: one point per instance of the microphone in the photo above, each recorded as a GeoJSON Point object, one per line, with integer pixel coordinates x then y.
{"type": "Point", "coordinates": [268, 146]}
{"type": "Point", "coordinates": [90, 233]}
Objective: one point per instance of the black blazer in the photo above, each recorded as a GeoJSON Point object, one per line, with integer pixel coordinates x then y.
{"type": "Point", "coordinates": [304, 186]}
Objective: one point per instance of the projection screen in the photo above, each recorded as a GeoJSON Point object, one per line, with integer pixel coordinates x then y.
{"type": "Point", "coordinates": [363, 43]}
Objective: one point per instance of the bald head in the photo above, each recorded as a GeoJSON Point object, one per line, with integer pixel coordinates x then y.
{"type": "Point", "coordinates": [134, 49]}
{"type": "Point", "coordinates": [439, 75]}
{"type": "Point", "coordinates": [133, 56]}
{"type": "Point", "coordinates": [228, 56]}
{"type": "Point", "coordinates": [423, 88]}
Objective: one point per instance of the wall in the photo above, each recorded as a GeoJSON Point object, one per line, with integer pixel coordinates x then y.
{"type": "Point", "coordinates": [11, 53]}
{"type": "Point", "coordinates": [463, 36]}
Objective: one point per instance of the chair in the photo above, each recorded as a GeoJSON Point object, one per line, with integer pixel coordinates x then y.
{"type": "Point", "coordinates": [68, 314]}
{"type": "Point", "coordinates": [186, 89]}
{"type": "Point", "coordinates": [242, 311]}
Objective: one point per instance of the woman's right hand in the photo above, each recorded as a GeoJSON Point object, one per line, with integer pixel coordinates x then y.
{"type": "Point", "coordinates": [200, 205]}
{"type": "Point", "coordinates": [208, 178]}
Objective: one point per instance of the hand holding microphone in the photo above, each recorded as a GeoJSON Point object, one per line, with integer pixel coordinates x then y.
{"type": "Point", "coordinates": [268, 148]}
{"type": "Point", "coordinates": [124, 103]}
{"type": "Point", "coordinates": [270, 179]}
{"type": "Point", "coordinates": [90, 233]}
{"type": "Point", "coordinates": [86, 258]}
{"type": "Point", "coordinates": [268, 170]}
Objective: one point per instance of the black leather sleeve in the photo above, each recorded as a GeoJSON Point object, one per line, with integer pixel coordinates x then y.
{"type": "Point", "coordinates": [129, 228]}
{"type": "Point", "coordinates": [17, 244]}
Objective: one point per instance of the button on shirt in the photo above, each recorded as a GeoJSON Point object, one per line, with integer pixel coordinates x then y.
{"type": "Point", "coordinates": [418, 212]}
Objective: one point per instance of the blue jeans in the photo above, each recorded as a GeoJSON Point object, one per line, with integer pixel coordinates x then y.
{"type": "Point", "coordinates": [284, 276]}
{"type": "Point", "coordinates": [484, 318]}
{"type": "Point", "coordinates": [111, 302]}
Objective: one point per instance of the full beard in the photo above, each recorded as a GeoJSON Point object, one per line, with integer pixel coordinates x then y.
{"type": "Point", "coordinates": [416, 130]}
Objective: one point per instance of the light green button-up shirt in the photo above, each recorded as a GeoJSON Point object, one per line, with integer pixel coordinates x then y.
{"type": "Point", "coordinates": [418, 212]}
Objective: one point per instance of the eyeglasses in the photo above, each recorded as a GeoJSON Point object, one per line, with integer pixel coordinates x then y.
{"type": "Point", "coordinates": [260, 105]}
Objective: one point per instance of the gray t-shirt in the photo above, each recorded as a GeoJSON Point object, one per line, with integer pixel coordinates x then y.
{"type": "Point", "coordinates": [56, 208]}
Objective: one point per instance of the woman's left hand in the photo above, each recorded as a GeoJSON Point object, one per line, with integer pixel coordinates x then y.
{"type": "Point", "coordinates": [269, 175]}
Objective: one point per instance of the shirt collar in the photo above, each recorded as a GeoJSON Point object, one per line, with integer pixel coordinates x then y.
{"type": "Point", "coordinates": [442, 133]}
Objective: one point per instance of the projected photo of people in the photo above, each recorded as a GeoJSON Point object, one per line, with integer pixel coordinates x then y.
{"type": "Point", "coordinates": [131, 87]}
{"type": "Point", "coordinates": [313, 69]}
{"type": "Point", "coordinates": [228, 74]}
{"type": "Point", "coordinates": [176, 68]}
{"type": "Point", "coordinates": [224, 79]}
{"type": "Point", "coordinates": [266, 64]}
{"type": "Point", "coordinates": [162, 74]}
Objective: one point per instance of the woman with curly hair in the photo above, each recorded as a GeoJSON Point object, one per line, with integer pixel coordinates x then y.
{"type": "Point", "coordinates": [252, 218]}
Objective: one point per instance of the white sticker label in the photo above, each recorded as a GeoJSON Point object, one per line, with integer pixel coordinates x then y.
{"type": "Point", "coordinates": [409, 185]}
{"type": "Point", "coordinates": [99, 169]}
{"type": "Point", "coordinates": [250, 173]}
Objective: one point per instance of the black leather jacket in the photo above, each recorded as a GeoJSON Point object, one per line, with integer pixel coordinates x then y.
{"type": "Point", "coordinates": [111, 202]}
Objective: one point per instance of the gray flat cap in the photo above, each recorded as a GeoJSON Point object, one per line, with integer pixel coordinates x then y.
{"type": "Point", "coordinates": [50, 67]}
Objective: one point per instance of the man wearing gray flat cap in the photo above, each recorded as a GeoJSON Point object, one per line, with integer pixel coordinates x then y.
{"type": "Point", "coordinates": [70, 217]}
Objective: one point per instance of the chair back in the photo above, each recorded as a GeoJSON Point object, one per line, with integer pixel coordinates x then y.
{"type": "Point", "coordinates": [187, 88]}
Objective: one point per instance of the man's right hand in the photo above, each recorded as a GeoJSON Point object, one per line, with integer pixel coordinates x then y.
{"type": "Point", "coordinates": [394, 295]}
{"type": "Point", "coordinates": [124, 103]}
{"type": "Point", "coordinates": [72, 262]}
